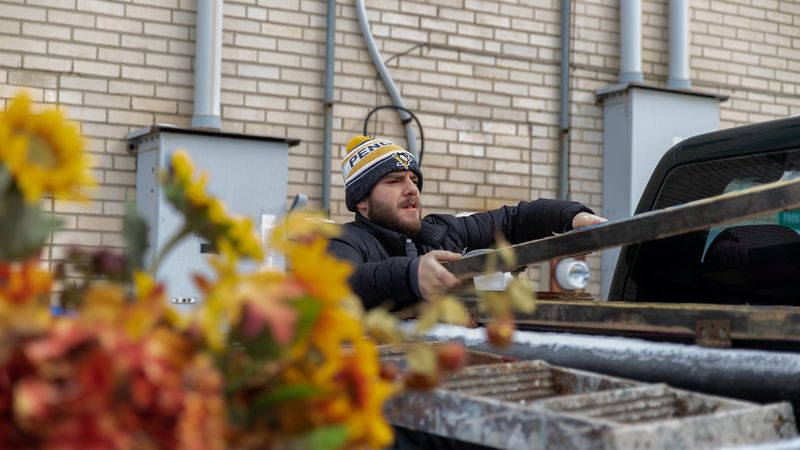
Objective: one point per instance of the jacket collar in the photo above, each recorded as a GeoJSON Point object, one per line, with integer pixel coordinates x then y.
{"type": "Point", "coordinates": [429, 234]}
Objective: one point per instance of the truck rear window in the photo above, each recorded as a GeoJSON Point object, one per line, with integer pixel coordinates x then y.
{"type": "Point", "coordinates": [751, 262]}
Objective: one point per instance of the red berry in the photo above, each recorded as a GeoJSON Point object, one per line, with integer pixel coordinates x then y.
{"type": "Point", "coordinates": [451, 356]}
{"type": "Point", "coordinates": [500, 332]}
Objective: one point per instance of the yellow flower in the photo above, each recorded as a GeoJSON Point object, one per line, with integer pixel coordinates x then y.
{"type": "Point", "coordinates": [358, 402]}
{"type": "Point", "coordinates": [24, 282]}
{"type": "Point", "coordinates": [333, 329]}
{"type": "Point", "coordinates": [300, 228]}
{"type": "Point", "coordinates": [265, 292]}
{"type": "Point", "coordinates": [206, 214]}
{"type": "Point", "coordinates": [324, 276]}
{"type": "Point", "coordinates": [43, 152]}
{"type": "Point", "coordinates": [103, 303]}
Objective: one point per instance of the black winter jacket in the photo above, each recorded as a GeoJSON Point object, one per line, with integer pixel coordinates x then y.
{"type": "Point", "coordinates": [384, 272]}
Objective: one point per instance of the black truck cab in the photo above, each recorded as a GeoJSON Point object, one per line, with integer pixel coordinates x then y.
{"type": "Point", "coordinates": [754, 262]}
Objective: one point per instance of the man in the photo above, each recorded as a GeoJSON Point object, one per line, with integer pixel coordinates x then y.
{"type": "Point", "coordinates": [397, 255]}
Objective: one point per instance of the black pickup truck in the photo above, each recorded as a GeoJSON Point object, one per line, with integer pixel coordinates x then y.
{"type": "Point", "coordinates": [735, 286]}
{"type": "Point", "coordinates": [755, 262]}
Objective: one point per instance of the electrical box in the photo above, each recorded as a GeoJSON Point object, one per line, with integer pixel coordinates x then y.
{"type": "Point", "coordinates": [640, 123]}
{"type": "Point", "coordinates": [248, 173]}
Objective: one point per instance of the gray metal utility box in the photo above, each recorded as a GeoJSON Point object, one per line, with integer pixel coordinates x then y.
{"type": "Point", "coordinates": [248, 173]}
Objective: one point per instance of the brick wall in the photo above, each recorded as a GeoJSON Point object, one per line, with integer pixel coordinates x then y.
{"type": "Point", "coordinates": [485, 85]}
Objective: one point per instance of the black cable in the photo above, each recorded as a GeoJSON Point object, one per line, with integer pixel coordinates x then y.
{"type": "Point", "coordinates": [413, 116]}
{"type": "Point", "coordinates": [390, 58]}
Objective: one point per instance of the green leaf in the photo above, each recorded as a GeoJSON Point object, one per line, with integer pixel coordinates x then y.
{"type": "Point", "coordinates": [24, 227]}
{"type": "Point", "coordinates": [327, 438]}
{"type": "Point", "coordinates": [5, 179]}
{"type": "Point", "coordinates": [134, 231]}
{"type": "Point", "coordinates": [308, 309]}
{"type": "Point", "coordinates": [259, 347]}
{"type": "Point", "coordinates": [283, 394]}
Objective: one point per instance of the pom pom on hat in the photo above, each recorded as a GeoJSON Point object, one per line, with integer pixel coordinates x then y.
{"type": "Point", "coordinates": [367, 160]}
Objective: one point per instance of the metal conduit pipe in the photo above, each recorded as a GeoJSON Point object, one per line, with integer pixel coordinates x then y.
{"type": "Point", "coordinates": [745, 374]}
{"type": "Point", "coordinates": [207, 65]}
{"type": "Point", "coordinates": [388, 83]}
{"type": "Point", "coordinates": [679, 45]}
{"type": "Point", "coordinates": [563, 165]}
{"type": "Point", "coordinates": [327, 150]}
{"type": "Point", "coordinates": [630, 37]}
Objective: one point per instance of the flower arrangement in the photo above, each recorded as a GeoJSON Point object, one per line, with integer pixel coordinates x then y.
{"type": "Point", "coordinates": [270, 359]}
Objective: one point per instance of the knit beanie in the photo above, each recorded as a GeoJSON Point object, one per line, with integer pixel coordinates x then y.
{"type": "Point", "coordinates": [367, 160]}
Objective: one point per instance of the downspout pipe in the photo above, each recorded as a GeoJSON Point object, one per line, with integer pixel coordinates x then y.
{"type": "Point", "coordinates": [207, 65]}
{"type": "Point", "coordinates": [630, 37]}
{"type": "Point", "coordinates": [679, 45]}
{"type": "Point", "coordinates": [388, 83]}
{"type": "Point", "coordinates": [564, 125]}
{"type": "Point", "coordinates": [327, 145]}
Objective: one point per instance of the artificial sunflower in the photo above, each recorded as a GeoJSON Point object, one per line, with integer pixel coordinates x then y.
{"type": "Point", "coordinates": [43, 152]}
{"type": "Point", "coordinates": [204, 213]}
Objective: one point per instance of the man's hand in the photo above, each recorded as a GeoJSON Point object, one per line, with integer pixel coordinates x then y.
{"type": "Point", "coordinates": [434, 279]}
{"type": "Point", "coordinates": [585, 219]}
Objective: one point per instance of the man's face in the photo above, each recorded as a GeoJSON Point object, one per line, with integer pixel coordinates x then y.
{"type": "Point", "coordinates": [394, 203]}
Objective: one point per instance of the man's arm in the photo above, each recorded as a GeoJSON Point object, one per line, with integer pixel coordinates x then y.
{"type": "Point", "coordinates": [378, 282]}
{"type": "Point", "coordinates": [520, 223]}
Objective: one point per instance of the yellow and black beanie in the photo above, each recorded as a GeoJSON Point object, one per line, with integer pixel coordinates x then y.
{"type": "Point", "coordinates": [367, 161]}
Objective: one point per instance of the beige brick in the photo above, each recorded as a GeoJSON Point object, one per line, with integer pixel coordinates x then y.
{"type": "Point", "coordinates": [144, 43]}
{"type": "Point", "coordinates": [124, 162]}
{"type": "Point", "coordinates": [256, 71]}
{"type": "Point", "coordinates": [131, 118]}
{"type": "Point", "coordinates": [72, 50]}
{"type": "Point", "coordinates": [22, 44]}
{"type": "Point", "coordinates": [101, 7]}
{"type": "Point", "coordinates": [103, 130]}
{"type": "Point", "coordinates": [144, 74]}
{"type": "Point", "coordinates": [86, 114]}
{"type": "Point", "coordinates": [32, 78]}
{"type": "Point", "coordinates": [175, 92]}
{"type": "Point", "coordinates": [155, 105]}
{"type": "Point", "coordinates": [239, 25]}
{"type": "Point", "coordinates": [230, 9]}
{"type": "Point", "coordinates": [94, 37]}
{"type": "Point", "coordinates": [114, 208]}
{"type": "Point", "coordinates": [43, 30]}
{"type": "Point", "coordinates": [99, 223]}
{"type": "Point", "coordinates": [291, 5]}
{"type": "Point", "coordinates": [166, 30]}
{"type": "Point", "coordinates": [467, 176]}
{"type": "Point", "coordinates": [70, 97]}
{"type": "Point", "coordinates": [46, 63]}
{"type": "Point", "coordinates": [118, 55]}
{"type": "Point", "coordinates": [76, 238]}
{"type": "Point", "coordinates": [247, 114]}
{"type": "Point", "coordinates": [72, 19]}
{"type": "Point", "coordinates": [62, 206]}
{"type": "Point", "coordinates": [96, 68]}
{"type": "Point", "coordinates": [307, 48]}
{"type": "Point", "coordinates": [240, 54]}
{"type": "Point", "coordinates": [130, 88]}
{"type": "Point", "coordinates": [288, 17]}
{"type": "Point", "coordinates": [277, 88]}
{"type": "Point", "coordinates": [119, 24]}
{"type": "Point", "coordinates": [148, 13]}
{"type": "Point", "coordinates": [258, 42]}
{"type": "Point", "coordinates": [418, 9]}
{"type": "Point", "coordinates": [26, 13]}
{"type": "Point", "coordinates": [169, 61]}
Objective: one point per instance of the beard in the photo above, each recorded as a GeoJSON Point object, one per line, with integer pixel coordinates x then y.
{"type": "Point", "coordinates": [387, 216]}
